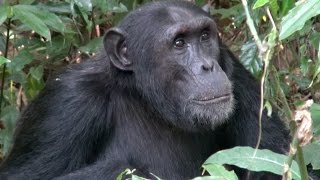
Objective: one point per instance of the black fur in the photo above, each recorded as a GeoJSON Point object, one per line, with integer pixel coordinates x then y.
{"type": "Point", "coordinates": [122, 110]}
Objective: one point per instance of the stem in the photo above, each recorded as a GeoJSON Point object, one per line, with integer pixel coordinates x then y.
{"type": "Point", "coordinates": [266, 54]}
{"type": "Point", "coordinates": [5, 64]}
{"type": "Point", "coordinates": [285, 106]}
{"type": "Point", "coordinates": [301, 163]}
{"type": "Point", "coordinates": [293, 150]}
{"type": "Point", "coordinates": [252, 27]}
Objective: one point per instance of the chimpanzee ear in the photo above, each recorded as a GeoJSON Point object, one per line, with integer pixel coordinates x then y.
{"type": "Point", "coordinates": [116, 48]}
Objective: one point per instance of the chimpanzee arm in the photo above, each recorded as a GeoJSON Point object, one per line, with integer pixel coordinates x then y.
{"type": "Point", "coordinates": [60, 130]}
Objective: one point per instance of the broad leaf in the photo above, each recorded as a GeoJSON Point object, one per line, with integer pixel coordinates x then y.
{"type": "Point", "coordinates": [315, 115]}
{"type": "Point", "coordinates": [47, 17]}
{"type": "Point", "coordinates": [3, 60]}
{"type": "Point", "coordinates": [217, 171]}
{"type": "Point", "coordinates": [84, 4]}
{"type": "Point", "coordinates": [119, 9]}
{"type": "Point", "coordinates": [297, 17]}
{"type": "Point", "coordinates": [9, 116]}
{"type": "Point", "coordinates": [249, 57]}
{"type": "Point", "coordinates": [260, 3]}
{"type": "Point", "coordinates": [311, 155]}
{"type": "Point", "coordinates": [235, 11]}
{"type": "Point", "coordinates": [3, 13]}
{"type": "Point", "coordinates": [50, 19]}
{"type": "Point", "coordinates": [56, 8]}
{"type": "Point", "coordinates": [19, 61]}
{"type": "Point", "coordinates": [135, 177]}
{"type": "Point", "coordinates": [36, 72]}
{"type": "Point", "coordinates": [253, 160]}
{"type": "Point", "coordinates": [102, 4]}
{"type": "Point", "coordinates": [286, 5]}
{"type": "Point", "coordinates": [93, 46]}
{"type": "Point", "coordinates": [274, 7]}
{"type": "Point", "coordinates": [23, 13]}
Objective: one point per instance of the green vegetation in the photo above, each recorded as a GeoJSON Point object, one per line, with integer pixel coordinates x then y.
{"type": "Point", "coordinates": [278, 41]}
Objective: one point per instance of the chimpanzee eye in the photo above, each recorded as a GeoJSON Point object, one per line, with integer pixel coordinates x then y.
{"type": "Point", "coordinates": [179, 43]}
{"type": "Point", "coordinates": [205, 36]}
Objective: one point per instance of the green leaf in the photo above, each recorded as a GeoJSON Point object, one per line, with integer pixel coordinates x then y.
{"type": "Point", "coordinates": [120, 176]}
{"type": "Point", "coordinates": [50, 19]}
{"type": "Point", "coordinates": [60, 8]}
{"type": "Point", "coordinates": [315, 39]}
{"type": "Point", "coordinates": [2, 43]}
{"type": "Point", "coordinates": [249, 57]}
{"type": "Point", "coordinates": [26, 16]}
{"type": "Point", "coordinates": [219, 171]}
{"type": "Point", "coordinates": [84, 4]}
{"type": "Point", "coordinates": [47, 17]}
{"type": "Point", "coordinates": [315, 115]}
{"type": "Point", "coordinates": [311, 155]}
{"type": "Point", "coordinates": [9, 116]}
{"type": "Point", "coordinates": [119, 9]}
{"type": "Point", "coordinates": [304, 65]}
{"type": "Point", "coordinates": [102, 4]}
{"type": "Point", "coordinates": [19, 61]}
{"type": "Point", "coordinates": [135, 177]}
{"type": "Point", "coordinates": [33, 87]}
{"type": "Point", "coordinates": [3, 13]}
{"type": "Point", "coordinates": [36, 72]}
{"type": "Point", "coordinates": [274, 7]}
{"type": "Point", "coordinates": [4, 60]}
{"type": "Point", "coordinates": [85, 16]}
{"type": "Point", "coordinates": [268, 106]}
{"type": "Point", "coordinates": [297, 17]}
{"type": "Point", "coordinates": [253, 160]}
{"type": "Point", "coordinates": [286, 5]}
{"type": "Point", "coordinates": [93, 46]}
{"type": "Point", "coordinates": [260, 3]}
{"type": "Point", "coordinates": [235, 11]}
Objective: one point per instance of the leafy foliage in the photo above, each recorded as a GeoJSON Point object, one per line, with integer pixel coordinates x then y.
{"type": "Point", "coordinates": [297, 17]}
{"type": "Point", "coordinates": [42, 37]}
{"type": "Point", "coordinates": [253, 159]}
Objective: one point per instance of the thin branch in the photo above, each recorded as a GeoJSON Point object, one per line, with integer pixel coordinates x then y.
{"type": "Point", "coordinates": [252, 26]}
{"type": "Point", "coordinates": [271, 19]}
{"type": "Point", "coordinates": [5, 64]}
{"type": "Point", "coordinates": [261, 49]}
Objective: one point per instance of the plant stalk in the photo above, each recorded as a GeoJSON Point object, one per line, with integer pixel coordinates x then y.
{"type": "Point", "coordinates": [5, 64]}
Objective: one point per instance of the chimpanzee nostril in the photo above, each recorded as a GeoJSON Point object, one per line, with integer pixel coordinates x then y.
{"type": "Point", "coordinates": [207, 66]}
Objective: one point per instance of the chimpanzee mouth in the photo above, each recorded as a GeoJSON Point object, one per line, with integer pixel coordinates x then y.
{"type": "Point", "coordinates": [211, 100]}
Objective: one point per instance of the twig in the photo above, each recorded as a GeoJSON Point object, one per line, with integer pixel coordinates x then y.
{"type": "Point", "coordinates": [254, 33]}
{"type": "Point", "coordinates": [5, 64]}
{"type": "Point", "coordinates": [252, 26]}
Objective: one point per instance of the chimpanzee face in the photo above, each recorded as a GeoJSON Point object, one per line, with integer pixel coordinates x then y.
{"type": "Point", "coordinates": [177, 66]}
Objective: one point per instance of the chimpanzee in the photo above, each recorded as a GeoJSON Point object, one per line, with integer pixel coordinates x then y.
{"type": "Point", "coordinates": [163, 96]}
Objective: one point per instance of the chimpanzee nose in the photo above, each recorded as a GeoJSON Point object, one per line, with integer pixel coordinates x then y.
{"type": "Point", "coordinates": [207, 66]}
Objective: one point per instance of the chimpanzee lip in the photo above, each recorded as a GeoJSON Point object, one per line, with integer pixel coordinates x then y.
{"type": "Point", "coordinates": [209, 100]}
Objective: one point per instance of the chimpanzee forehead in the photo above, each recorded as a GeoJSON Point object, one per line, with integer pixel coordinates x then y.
{"type": "Point", "coordinates": [180, 17]}
{"type": "Point", "coordinates": [179, 14]}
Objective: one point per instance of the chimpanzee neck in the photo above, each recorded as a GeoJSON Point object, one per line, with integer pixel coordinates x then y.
{"type": "Point", "coordinates": [150, 141]}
